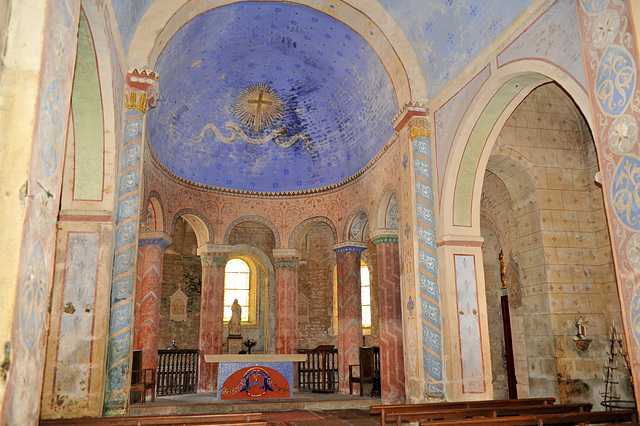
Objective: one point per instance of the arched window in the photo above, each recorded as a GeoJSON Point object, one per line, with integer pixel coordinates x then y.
{"type": "Point", "coordinates": [365, 294]}
{"type": "Point", "coordinates": [365, 298]}
{"type": "Point", "coordinates": [237, 285]}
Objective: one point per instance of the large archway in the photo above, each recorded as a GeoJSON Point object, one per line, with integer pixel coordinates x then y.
{"type": "Point", "coordinates": [539, 186]}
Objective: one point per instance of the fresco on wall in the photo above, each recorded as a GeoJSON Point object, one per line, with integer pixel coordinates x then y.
{"type": "Point", "coordinates": [88, 127]}
{"type": "Point", "coordinates": [128, 14]}
{"type": "Point", "coordinates": [447, 34]}
{"type": "Point", "coordinates": [73, 375]}
{"type": "Point", "coordinates": [298, 102]}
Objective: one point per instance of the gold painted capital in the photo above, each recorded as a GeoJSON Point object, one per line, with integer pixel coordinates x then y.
{"type": "Point", "coordinates": [419, 127]}
{"type": "Point", "coordinates": [141, 90]}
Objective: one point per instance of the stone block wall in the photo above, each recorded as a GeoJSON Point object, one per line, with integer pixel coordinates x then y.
{"type": "Point", "coordinates": [546, 158]}
{"type": "Point", "coordinates": [181, 269]}
{"type": "Point", "coordinates": [315, 281]}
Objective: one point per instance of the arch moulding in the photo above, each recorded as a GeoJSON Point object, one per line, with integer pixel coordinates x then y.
{"type": "Point", "coordinates": [477, 133]}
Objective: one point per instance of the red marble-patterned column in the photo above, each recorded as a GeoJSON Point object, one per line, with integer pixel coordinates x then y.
{"type": "Point", "coordinates": [214, 259]}
{"type": "Point", "coordinates": [349, 308]}
{"type": "Point", "coordinates": [148, 293]}
{"type": "Point", "coordinates": [286, 300]}
{"type": "Point", "coordinates": [389, 316]}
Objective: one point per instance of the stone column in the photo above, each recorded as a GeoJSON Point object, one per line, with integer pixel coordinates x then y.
{"type": "Point", "coordinates": [349, 308]}
{"type": "Point", "coordinates": [151, 246]}
{"type": "Point", "coordinates": [286, 300]}
{"type": "Point", "coordinates": [423, 363]}
{"type": "Point", "coordinates": [140, 94]}
{"type": "Point", "coordinates": [389, 316]}
{"type": "Point", "coordinates": [214, 259]}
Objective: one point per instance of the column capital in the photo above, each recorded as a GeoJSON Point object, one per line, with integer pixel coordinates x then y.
{"type": "Point", "coordinates": [384, 235]}
{"type": "Point", "coordinates": [141, 90]}
{"type": "Point", "coordinates": [286, 258]}
{"type": "Point", "coordinates": [350, 246]}
{"type": "Point", "coordinates": [287, 254]}
{"type": "Point", "coordinates": [214, 254]}
{"type": "Point", "coordinates": [157, 238]}
{"type": "Point", "coordinates": [408, 111]}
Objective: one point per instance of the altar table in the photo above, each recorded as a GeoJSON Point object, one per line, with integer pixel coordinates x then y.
{"type": "Point", "coordinates": [255, 376]}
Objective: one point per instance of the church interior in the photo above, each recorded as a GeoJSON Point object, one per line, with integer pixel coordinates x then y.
{"type": "Point", "coordinates": [451, 183]}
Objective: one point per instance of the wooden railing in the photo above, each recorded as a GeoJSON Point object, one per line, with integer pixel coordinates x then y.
{"type": "Point", "coordinates": [177, 371]}
{"type": "Point", "coordinates": [320, 372]}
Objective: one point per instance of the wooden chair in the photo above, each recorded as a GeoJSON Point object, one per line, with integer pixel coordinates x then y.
{"type": "Point", "coordinates": [142, 379]}
{"type": "Point", "coordinates": [368, 370]}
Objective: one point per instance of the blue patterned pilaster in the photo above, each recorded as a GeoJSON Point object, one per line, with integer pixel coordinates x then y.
{"type": "Point", "coordinates": [428, 262]}
{"type": "Point", "coordinates": [140, 94]}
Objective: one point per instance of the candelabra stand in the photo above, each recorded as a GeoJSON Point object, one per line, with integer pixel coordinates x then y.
{"type": "Point", "coordinates": [611, 398]}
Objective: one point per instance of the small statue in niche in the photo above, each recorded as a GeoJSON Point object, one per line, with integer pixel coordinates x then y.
{"type": "Point", "coordinates": [236, 316]}
{"type": "Point", "coordinates": [581, 329]}
{"type": "Point", "coordinates": [581, 339]}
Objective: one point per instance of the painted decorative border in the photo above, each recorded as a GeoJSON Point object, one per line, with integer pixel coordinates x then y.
{"type": "Point", "coordinates": [284, 194]}
{"type": "Point", "coordinates": [420, 135]}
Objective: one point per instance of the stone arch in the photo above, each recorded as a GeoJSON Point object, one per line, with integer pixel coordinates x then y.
{"type": "Point", "coordinates": [258, 219]}
{"type": "Point", "coordinates": [387, 210]}
{"type": "Point", "coordinates": [153, 219]}
{"type": "Point", "coordinates": [357, 225]}
{"type": "Point", "coordinates": [479, 129]}
{"type": "Point", "coordinates": [199, 223]}
{"type": "Point", "coordinates": [165, 17]}
{"type": "Point", "coordinates": [263, 262]}
{"type": "Point", "coordinates": [295, 240]}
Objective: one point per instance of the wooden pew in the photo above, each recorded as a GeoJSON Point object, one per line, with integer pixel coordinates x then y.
{"type": "Point", "coordinates": [490, 412]}
{"type": "Point", "coordinates": [253, 418]}
{"type": "Point", "coordinates": [581, 419]}
{"type": "Point", "coordinates": [383, 410]}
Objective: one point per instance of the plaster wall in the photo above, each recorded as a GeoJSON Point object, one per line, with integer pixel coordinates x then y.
{"type": "Point", "coordinates": [19, 83]}
{"type": "Point", "coordinates": [78, 332]}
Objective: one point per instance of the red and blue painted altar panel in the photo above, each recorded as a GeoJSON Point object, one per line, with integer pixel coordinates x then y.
{"type": "Point", "coordinates": [251, 380]}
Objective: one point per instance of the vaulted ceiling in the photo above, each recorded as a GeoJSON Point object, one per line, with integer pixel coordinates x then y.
{"type": "Point", "coordinates": [279, 97]}
{"type": "Point", "coordinates": [268, 96]}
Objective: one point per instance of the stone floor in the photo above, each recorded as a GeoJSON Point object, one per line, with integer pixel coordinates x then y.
{"type": "Point", "coordinates": [302, 409]}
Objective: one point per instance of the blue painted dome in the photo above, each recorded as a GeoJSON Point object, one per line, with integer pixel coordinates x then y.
{"type": "Point", "coordinates": [269, 97]}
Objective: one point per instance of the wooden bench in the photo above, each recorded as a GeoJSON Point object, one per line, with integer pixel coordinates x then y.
{"type": "Point", "coordinates": [384, 410]}
{"type": "Point", "coordinates": [488, 412]}
{"type": "Point", "coordinates": [253, 418]}
{"type": "Point", "coordinates": [581, 419]}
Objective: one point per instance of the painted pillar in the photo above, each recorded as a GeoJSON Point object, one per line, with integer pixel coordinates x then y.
{"type": "Point", "coordinates": [151, 246]}
{"type": "Point", "coordinates": [349, 308]}
{"type": "Point", "coordinates": [421, 304]}
{"type": "Point", "coordinates": [286, 300]}
{"type": "Point", "coordinates": [140, 95]}
{"type": "Point", "coordinates": [214, 259]}
{"type": "Point", "coordinates": [610, 48]}
{"type": "Point", "coordinates": [389, 316]}
{"type": "Point", "coordinates": [34, 112]}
